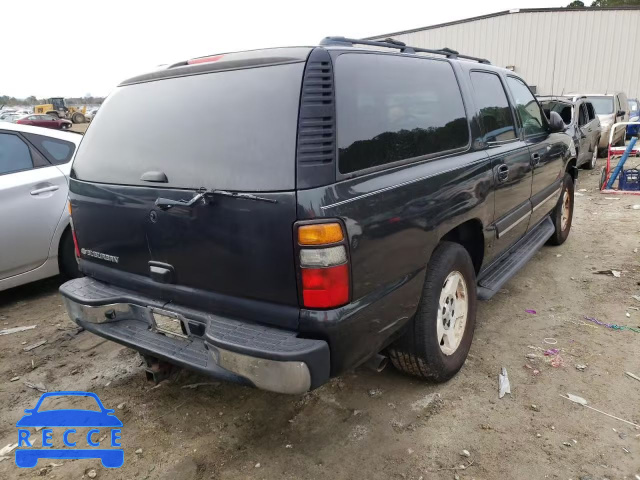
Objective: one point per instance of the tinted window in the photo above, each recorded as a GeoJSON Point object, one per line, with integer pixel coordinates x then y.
{"type": "Point", "coordinates": [603, 105]}
{"type": "Point", "coordinates": [495, 114]}
{"type": "Point", "coordinates": [392, 108]}
{"type": "Point", "coordinates": [57, 151]}
{"type": "Point", "coordinates": [530, 114]}
{"type": "Point", "coordinates": [565, 110]}
{"type": "Point", "coordinates": [14, 154]}
{"type": "Point", "coordinates": [583, 118]}
{"type": "Point", "coordinates": [590, 111]}
{"type": "Point", "coordinates": [231, 130]}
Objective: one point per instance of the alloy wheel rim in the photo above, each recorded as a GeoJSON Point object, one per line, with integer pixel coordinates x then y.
{"type": "Point", "coordinates": [594, 158]}
{"type": "Point", "coordinates": [566, 206]}
{"type": "Point", "coordinates": [452, 313]}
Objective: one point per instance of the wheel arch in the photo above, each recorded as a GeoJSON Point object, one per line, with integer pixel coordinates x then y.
{"type": "Point", "coordinates": [64, 225]}
{"type": "Point", "coordinates": [572, 168]}
{"type": "Point", "coordinates": [470, 235]}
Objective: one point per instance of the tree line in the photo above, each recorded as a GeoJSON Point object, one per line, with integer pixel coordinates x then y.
{"type": "Point", "coordinates": [32, 100]}
{"type": "Point", "coordinates": [604, 3]}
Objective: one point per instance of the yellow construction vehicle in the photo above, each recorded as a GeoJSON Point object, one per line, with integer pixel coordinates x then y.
{"type": "Point", "coordinates": [57, 107]}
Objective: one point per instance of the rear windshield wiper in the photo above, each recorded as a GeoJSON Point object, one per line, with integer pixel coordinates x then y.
{"type": "Point", "coordinates": [201, 196]}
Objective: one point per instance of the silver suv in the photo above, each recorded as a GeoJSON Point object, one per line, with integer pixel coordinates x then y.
{"type": "Point", "coordinates": [610, 108]}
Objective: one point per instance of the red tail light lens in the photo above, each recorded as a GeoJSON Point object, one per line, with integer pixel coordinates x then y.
{"type": "Point", "coordinates": [212, 58]}
{"type": "Point", "coordinates": [73, 232]}
{"type": "Point", "coordinates": [325, 287]}
{"type": "Point", "coordinates": [75, 242]}
{"type": "Point", "coordinates": [324, 265]}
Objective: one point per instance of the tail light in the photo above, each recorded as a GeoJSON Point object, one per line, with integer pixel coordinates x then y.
{"type": "Point", "coordinates": [324, 265]}
{"type": "Point", "coordinates": [73, 232]}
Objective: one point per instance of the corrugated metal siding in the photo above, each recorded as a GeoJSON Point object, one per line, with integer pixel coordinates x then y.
{"type": "Point", "coordinates": [560, 51]}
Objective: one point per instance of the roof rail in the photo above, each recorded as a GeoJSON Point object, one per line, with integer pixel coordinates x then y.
{"type": "Point", "coordinates": [404, 48]}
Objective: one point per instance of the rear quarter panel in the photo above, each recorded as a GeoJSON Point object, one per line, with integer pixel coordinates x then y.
{"type": "Point", "coordinates": [394, 220]}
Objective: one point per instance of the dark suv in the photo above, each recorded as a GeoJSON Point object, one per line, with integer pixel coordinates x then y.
{"type": "Point", "coordinates": [318, 206]}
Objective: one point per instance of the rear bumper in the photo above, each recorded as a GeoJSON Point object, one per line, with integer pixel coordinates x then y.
{"type": "Point", "coordinates": [265, 357]}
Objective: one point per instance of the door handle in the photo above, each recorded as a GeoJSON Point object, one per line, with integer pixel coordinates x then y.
{"type": "Point", "coordinates": [503, 173]}
{"type": "Point", "coordinates": [535, 159]}
{"type": "Point", "coordinates": [38, 191]}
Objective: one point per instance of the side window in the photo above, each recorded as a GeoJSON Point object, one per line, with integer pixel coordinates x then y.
{"type": "Point", "coordinates": [391, 108]}
{"type": "Point", "coordinates": [14, 154]}
{"type": "Point", "coordinates": [495, 114]}
{"type": "Point", "coordinates": [529, 111]}
{"type": "Point", "coordinates": [590, 111]}
{"type": "Point", "coordinates": [57, 151]}
{"type": "Point", "coordinates": [583, 118]}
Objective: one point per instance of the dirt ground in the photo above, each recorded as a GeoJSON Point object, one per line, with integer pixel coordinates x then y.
{"type": "Point", "coordinates": [80, 127]}
{"type": "Point", "coordinates": [386, 425]}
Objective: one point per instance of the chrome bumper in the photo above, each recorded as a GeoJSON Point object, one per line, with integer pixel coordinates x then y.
{"type": "Point", "coordinates": [213, 352]}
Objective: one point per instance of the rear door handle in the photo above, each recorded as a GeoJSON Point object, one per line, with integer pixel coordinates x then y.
{"type": "Point", "coordinates": [503, 173]}
{"type": "Point", "coordinates": [38, 191]}
{"type": "Point", "coordinates": [535, 159]}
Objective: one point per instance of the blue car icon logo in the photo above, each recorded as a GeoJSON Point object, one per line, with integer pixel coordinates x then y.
{"type": "Point", "coordinates": [28, 457]}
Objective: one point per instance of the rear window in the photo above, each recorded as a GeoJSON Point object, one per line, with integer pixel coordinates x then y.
{"type": "Point", "coordinates": [232, 130]}
{"type": "Point", "coordinates": [603, 105]}
{"type": "Point", "coordinates": [393, 108]}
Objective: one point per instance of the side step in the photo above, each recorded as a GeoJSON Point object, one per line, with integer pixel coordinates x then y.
{"type": "Point", "coordinates": [492, 279]}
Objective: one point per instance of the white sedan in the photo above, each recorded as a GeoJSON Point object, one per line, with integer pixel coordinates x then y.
{"type": "Point", "coordinates": [35, 235]}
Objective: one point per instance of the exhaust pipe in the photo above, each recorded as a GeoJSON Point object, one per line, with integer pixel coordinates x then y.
{"type": "Point", "coordinates": [377, 363]}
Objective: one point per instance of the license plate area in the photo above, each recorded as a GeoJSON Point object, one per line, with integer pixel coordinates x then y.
{"type": "Point", "coordinates": [169, 323]}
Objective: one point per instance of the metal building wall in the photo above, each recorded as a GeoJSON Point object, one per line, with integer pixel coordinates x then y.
{"type": "Point", "coordinates": [584, 51]}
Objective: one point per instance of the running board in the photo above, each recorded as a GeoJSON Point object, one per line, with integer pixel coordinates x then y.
{"type": "Point", "coordinates": [497, 275]}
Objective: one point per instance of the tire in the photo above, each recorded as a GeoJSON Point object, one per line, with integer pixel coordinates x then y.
{"type": "Point", "coordinates": [603, 177]}
{"type": "Point", "coordinates": [78, 117]}
{"type": "Point", "coordinates": [591, 164]}
{"type": "Point", "coordinates": [54, 114]}
{"type": "Point", "coordinates": [422, 350]}
{"type": "Point", "coordinates": [67, 257]}
{"type": "Point", "coordinates": [562, 214]}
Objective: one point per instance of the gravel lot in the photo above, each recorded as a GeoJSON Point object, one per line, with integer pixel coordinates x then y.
{"type": "Point", "coordinates": [368, 425]}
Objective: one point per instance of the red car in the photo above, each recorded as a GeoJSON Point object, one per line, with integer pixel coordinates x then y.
{"type": "Point", "coordinates": [48, 121]}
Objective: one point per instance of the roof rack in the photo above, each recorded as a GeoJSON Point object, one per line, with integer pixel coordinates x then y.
{"type": "Point", "coordinates": [403, 47]}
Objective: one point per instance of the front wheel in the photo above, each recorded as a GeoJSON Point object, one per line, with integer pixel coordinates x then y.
{"type": "Point", "coordinates": [562, 214]}
{"type": "Point", "coordinates": [78, 117]}
{"type": "Point", "coordinates": [594, 159]}
{"type": "Point", "coordinates": [438, 339]}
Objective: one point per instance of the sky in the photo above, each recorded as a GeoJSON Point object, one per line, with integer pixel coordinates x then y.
{"type": "Point", "coordinates": [89, 46]}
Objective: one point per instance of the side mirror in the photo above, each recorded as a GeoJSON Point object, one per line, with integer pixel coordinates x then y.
{"type": "Point", "coordinates": [621, 113]}
{"type": "Point", "coordinates": [556, 123]}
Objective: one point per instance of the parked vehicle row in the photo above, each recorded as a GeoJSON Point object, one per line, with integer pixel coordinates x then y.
{"type": "Point", "coordinates": [46, 121]}
{"type": "Point", "coordinates": [329, 204]}
{"type": "Point", "coordinates": [583, 125]}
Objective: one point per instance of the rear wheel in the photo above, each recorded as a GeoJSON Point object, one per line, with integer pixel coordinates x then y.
{"type": "Point", "coordinates": [67, 256]}
{"type": "Point", "coordinates": [439, 337]}
{"type": "Point", "coordinates": [54, 114]}
{"type": "Point", "coordinates": [562, 215]}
